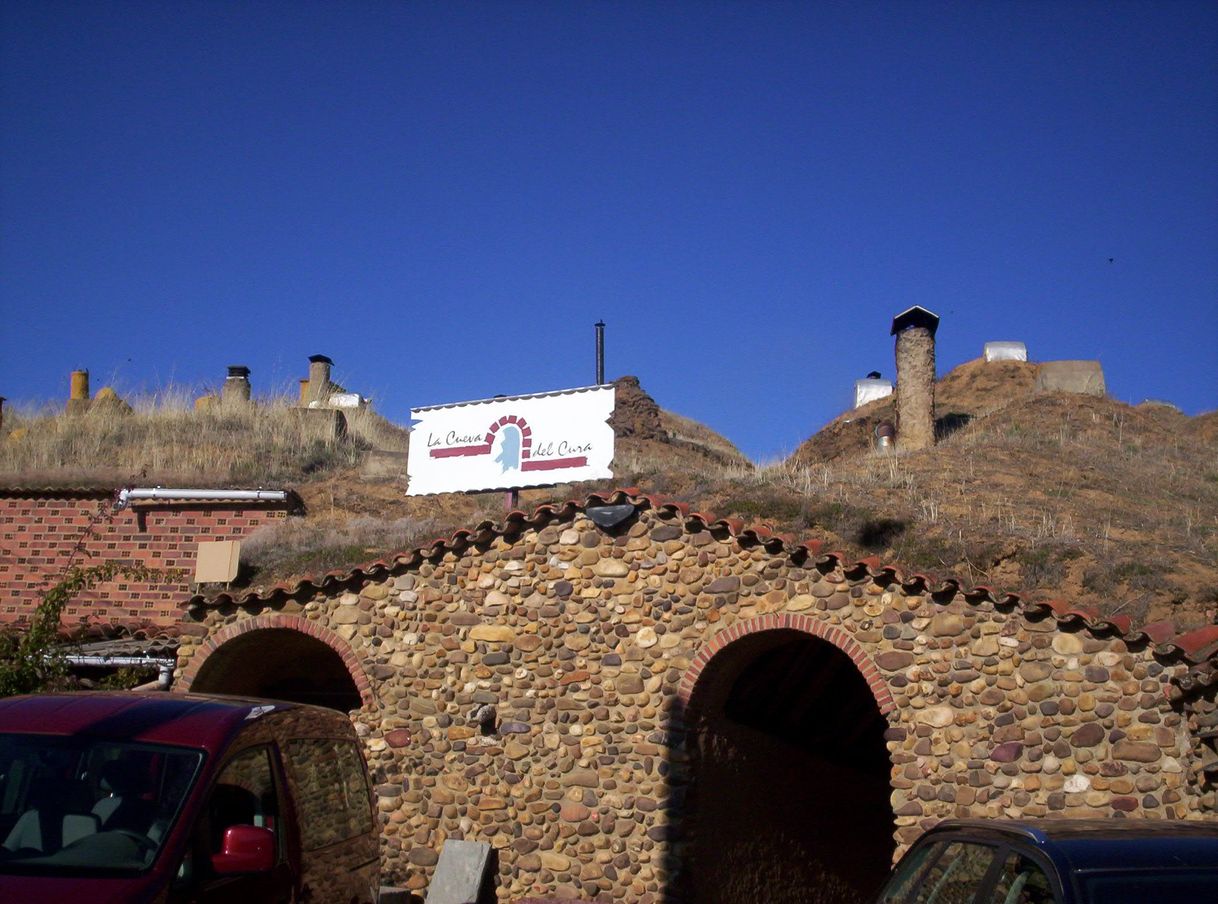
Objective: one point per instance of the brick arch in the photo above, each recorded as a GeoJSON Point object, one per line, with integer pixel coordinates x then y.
{"type": "Point", "coordinates": [778, 621]}
{"type": "Point", "coordinates": [288, 623]}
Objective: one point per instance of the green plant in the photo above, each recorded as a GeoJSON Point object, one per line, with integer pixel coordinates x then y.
{"type": "Point", "coordinates": [33, 660]}
{"type": "Point", "coordinates": [125, 678]}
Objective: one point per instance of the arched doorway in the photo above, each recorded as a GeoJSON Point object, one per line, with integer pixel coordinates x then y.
{"type": "Point", "coordinates": [281, 664]}
{"type": "Point", "coordinates": [790, 777]}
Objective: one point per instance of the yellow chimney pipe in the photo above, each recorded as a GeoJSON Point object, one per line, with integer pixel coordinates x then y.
{"type": "Point", "coordinates": [79, 386]}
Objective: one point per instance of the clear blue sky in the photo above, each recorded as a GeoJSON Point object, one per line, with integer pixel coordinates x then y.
{"type": "Point", "coordinates": [444, 197]}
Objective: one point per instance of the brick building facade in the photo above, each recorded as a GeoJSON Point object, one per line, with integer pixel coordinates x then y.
{"type": "Point", "coordinates": [42, 530]}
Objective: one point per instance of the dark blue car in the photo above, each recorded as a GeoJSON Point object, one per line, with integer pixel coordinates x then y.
{"type": "Point", "coordinates": [1059, 861]}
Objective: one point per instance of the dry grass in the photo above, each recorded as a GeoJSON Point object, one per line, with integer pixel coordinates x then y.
{"type": "Point", "coordinates": [1085, 499]}
{"type": "Point", "coordinates": [316, 545]}
{"type": "Point", "coordinates": [164, 437]}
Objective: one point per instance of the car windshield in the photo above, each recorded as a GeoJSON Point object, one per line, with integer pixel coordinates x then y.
{"type": "Point", "coordinates": [84, 806]}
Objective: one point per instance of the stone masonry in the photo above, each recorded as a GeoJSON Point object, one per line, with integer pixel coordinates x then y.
{"type": "Point", "coordinates": [588, 643]}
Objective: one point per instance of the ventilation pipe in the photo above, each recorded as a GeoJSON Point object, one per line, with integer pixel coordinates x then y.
{"type": "Point", "coordinates": [127, 495]}
{"type": "Point", "coordinates": [78, 392]}
{"type": "Point", "coordinates": [885, 435]}
{"type": "Point", "coordinates": [915, 351]}
{"type": "Point", "coordinates": [600, 353]}
{"type": "Point", "coordinates": [236, 388]}
{"type": "Point", "coordinates": [162, 664]}
{"type": "Point", "coordinates": [78, 386]}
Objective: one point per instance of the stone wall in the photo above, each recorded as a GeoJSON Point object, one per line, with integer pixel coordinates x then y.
{"type": "Point", "coordinates": [41, 531]}
{"type": "Point", "coordinates": [590, 646]}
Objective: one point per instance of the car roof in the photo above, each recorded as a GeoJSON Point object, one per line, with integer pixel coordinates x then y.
{"type": "Point", "coordinates": [1043, 830]}
{"type": "Point", "coordinates": [1105, 844]}
{"type": "Point", "coordinates": [193, 720]}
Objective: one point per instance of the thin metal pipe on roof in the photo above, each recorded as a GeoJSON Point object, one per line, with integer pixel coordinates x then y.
{"type": "Point", "coordinates": [164, 665]}
{"type": "Point", "coordinates": [129, 494]}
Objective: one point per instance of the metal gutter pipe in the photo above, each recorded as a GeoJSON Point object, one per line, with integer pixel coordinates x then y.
{"type": "Point", "coordinates": [164, 665]}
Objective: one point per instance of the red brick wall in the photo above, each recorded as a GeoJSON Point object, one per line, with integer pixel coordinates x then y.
{"type": "Point", "coordinates": [38, 534]}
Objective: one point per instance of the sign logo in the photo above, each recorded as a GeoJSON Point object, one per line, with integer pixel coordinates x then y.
{"type": "Point", "coordinates": [515, 438]}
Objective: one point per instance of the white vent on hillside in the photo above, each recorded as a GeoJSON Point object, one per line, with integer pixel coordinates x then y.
{"type": "Point", "coordinates": [870, 389]}
{"type": "Point", "coordinates": [1006, 351]}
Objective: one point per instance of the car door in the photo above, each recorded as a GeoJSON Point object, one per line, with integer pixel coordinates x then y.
{"type": "Point", "coordinates": [247, 792]}
{"type": "Point", "coordinates": [338, 837]}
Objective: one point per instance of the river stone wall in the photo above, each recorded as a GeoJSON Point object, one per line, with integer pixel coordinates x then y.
{"type": "Point", "coordinates": [586, 643]}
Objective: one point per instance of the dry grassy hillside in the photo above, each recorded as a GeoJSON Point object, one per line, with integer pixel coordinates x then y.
{"type": "Point", "coordinates": [1062, 496]}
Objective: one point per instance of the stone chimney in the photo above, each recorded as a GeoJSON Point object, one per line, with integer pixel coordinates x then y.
{"type": "Point", "coordinates": [319, 378]}
{"type": "Point", "coordinates": [78, 392]}
{"type": "Point", "coordinates": [236, 388]}
{"type": "Point", "coordinates": [915, 331]}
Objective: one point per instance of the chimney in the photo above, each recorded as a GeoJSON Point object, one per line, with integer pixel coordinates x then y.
{"type": "Point", "coordinates": [78, 392]}
{"type": "Point", "coordinates": [319, 378]}
{"type": "Point", "coordinates": [2, 401]}
{"type": "Point", "coordinates": [304, 391]}
{"type": "Point", "coordinates": [915, 331]}
{"type": "Point", "coordinates": [236, 388]}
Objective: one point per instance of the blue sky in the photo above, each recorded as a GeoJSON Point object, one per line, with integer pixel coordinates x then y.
{"type": "Point", "coordinates": [445, 197]}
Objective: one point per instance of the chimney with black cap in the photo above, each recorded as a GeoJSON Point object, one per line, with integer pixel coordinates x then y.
{"type": "Point", "coordinates": [236, 388]}
{"type": "Point", "coordinates": [320, 386]}
{"type": "Point", "coordinates": [915, 331]}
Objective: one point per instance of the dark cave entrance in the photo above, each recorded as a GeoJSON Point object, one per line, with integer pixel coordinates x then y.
{"type": "Point", "coordinates": [790, 789]}
{"type": "Point", "coordinates": [280, 664]}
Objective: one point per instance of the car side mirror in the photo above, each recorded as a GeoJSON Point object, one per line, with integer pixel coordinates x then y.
{"type": "Point", "coordinates": [247, 849]}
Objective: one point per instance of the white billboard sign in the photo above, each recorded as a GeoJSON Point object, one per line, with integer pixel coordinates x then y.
{"type": "Point", "coordinates": [512, 442]}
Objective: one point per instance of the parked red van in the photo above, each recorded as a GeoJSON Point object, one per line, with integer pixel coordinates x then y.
{"type": "Point", "coordinates": [177, 798]}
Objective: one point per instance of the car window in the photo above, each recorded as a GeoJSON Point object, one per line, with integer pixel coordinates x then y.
{"type": "Point", "coordinates": [909, 873]}
{"type": "Point", "coordinates": [957, 876]}
{"type": "Point", "coordinates": [85, 806]}
{"type": "Point", "coordinates": [1022, 881]}
{"type": "Point", "coordinates": [332, 788]}
{"type": "Point", "coordinates": [244, 794]}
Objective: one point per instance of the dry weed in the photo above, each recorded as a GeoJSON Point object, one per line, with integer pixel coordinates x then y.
{"type": "Point", "coordinates": [163, 436]}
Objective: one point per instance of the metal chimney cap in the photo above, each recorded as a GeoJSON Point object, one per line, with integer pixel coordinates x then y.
{"type": "Point", "coordinates": [238, 370]}
{"type": "Point", "coordinates": [914, 317]}
{"type": "Point", "coordinates": [319, 359]}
